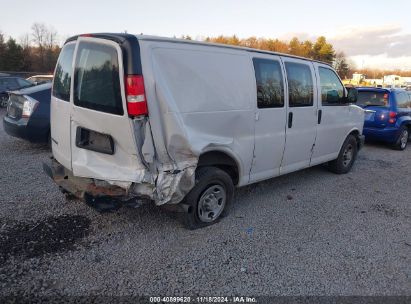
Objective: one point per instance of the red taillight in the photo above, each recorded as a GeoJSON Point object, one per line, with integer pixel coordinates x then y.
{"type": "Point", "coordinates": [392, 118]}
{"type": "Point", "coordinates": [135, 94]}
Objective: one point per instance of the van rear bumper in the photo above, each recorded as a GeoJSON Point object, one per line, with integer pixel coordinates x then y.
{"type": "Point", "coordinates": [98, 194]}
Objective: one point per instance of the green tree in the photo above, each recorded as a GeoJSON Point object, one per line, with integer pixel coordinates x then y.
{"type": "Point", "coordinates": [307, 49]}
{"type": "Point", "coordinates": [13, 56]}
{"type": "Point", "coordinates": [2, 51]}
{"type": "Point", "coordinates": [341, 65]}
{"type": "Point", "coordinates": [233, 40]}
{"type": "Point", "coordinates": [295, 47]}
{"type": "Point", "coordinates": [27, 50]}
{"type": "Point", "coordinates": [323, 51]}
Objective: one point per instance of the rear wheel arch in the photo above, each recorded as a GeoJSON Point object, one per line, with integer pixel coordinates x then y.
{"type": "Point", "coordinates": [408, 125]}
{"type": "Point", "coordinates": [356, 134]}
{"type": "Point", "coordinates": [221, 160]}
{"type": "Point", "coordinates": [346, 157]}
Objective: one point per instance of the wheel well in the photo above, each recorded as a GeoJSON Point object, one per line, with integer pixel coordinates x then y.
{"type": "Point", "coordinates": [222, 161]}
{"type": "Point", "coordinates": [356, 134]}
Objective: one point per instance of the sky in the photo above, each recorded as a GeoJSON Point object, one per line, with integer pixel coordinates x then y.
{"type": "Point", "coordinates": [374, 34]}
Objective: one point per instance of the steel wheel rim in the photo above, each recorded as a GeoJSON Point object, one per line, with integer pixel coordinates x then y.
{"type": "Point", "coordinates": [404, 139]}
{"type": "Point", "coordinates": [3, 101]}
{"type": "Point", "coordinates": [348, 155]}
{"type": "Point", "coordinates": [211, 203]}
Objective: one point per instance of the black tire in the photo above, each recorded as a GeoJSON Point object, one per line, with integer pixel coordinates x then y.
{"type": "Point", "coordinates": [346, 157]}
{"type": "Point", "coordinates": [49, 143]}
{"type": "Point", "coordinates": [402, 140]}
{"type": "Point", "coordinates": [4, 100]}
{"type": "Point", "coordinates": [208, 179]}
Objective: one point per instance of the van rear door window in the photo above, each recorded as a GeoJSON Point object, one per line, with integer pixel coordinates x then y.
{"type": "Point", "coordinates": [300, 84]}
{"type": "Point", "coordinates": [62, 76]}
{"type": "Point", "coordinates": [97, 79]}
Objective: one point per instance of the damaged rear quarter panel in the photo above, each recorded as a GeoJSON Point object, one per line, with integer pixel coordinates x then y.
{"type": "Point", "coordinates": [199, 100]}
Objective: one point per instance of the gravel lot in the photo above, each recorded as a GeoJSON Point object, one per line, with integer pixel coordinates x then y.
{"type": "Point", "coordinates": [307, 233]}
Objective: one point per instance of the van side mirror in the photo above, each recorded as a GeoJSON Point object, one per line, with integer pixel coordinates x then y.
{"type": "Point", "coordinates": [352, 95]}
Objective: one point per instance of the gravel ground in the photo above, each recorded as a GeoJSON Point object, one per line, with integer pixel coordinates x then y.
{"type": "Point", "coordinates": [306, 233]}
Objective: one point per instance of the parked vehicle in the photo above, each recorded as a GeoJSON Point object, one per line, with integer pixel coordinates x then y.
{"type": "Point", "coordinates": [40, 79]}
{"type": "Point", "coordinates": [10, 83]}
{"type": "Point", "coordinates": [28, 113]}
{"type": "Point", "coordinates": [180, 122]}
{"type": "Point", "coordinates": [388, 115]}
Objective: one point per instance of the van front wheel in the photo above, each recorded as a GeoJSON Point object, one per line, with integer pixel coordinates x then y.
{"type": "Point", "coordinates": [346, 157]}
{"type": "Point", "coordinates": [210, 198]}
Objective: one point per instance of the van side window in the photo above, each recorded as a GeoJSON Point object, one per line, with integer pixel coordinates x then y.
{"type": "Point", "coordinates": [332, 90]}
{"type": "Point", "coordinates": [97, 79]}
{"type": "Point", "coordinates": [300, 84]}
{"type": "Point", "coordinates": [403, 100]}
{"type": "Point", "coordinates": [269, 81]}
{"type": "Point", "coordinates": [62, 76]}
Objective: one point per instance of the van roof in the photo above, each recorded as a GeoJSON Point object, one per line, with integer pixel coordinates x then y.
{"type": "Point", "coordinates": [121, 37]}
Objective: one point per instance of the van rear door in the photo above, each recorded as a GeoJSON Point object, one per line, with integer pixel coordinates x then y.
{"type": "Point", "coordinates": [60, 106]}
{"type": "Point", "coordinates": [103, 145]}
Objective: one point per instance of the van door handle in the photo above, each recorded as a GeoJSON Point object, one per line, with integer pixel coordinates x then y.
{"type": "Point", "coordinates": [320, 114]}
{"type": "Point", "coordinates": [290, 120]}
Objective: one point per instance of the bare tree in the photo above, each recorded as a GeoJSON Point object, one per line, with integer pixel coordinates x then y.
{"type": "Point", "coordinates": [24, 40]}
{"type": "Point", "coordinates": [2, 50]}
{"type": "Point", "coordinates": [39, 33]}
{"type": "Point", "coordinates": [27, 51]}
{"type": "Point", "coordinates": [46, 41]}
{"type": "Point", "coordinates": [51, 38]}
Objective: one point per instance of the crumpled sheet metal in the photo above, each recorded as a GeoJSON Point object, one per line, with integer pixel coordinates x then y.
{"type": "Point", "coordinates": [173, 187]}
{"type": "Point", "coordinates": [164, 183]}
{"type": "Point", "coordinates": [191, 113]}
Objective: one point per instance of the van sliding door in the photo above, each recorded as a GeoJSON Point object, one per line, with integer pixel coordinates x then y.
{"type": "Point", "coordinates": [301, 127]}
{"type": "Point", "coordinates": [270, 117]}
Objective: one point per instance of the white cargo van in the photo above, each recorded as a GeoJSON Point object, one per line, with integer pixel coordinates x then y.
{"type": "Point", "coordinates": [182, 122]}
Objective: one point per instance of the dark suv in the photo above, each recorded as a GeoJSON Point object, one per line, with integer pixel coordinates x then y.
{"type": "Point", "coordinates": [387, 115]}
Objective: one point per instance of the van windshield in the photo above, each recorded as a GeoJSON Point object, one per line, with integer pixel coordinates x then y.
{"type": "Point", "coordinates": [369, 98]}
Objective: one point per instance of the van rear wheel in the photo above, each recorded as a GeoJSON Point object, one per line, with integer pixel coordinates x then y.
{"type": "Point", "coordinates": [210, 198]}
{"type": "Point", "coordinates": [346, 157]}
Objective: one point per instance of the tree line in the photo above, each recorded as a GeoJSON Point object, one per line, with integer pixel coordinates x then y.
{"type": "Point", "coordinates": [37, 51]}
{"type": "Point", "coordinates": [319, 50]}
